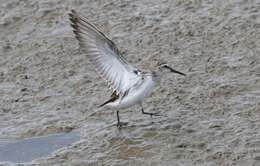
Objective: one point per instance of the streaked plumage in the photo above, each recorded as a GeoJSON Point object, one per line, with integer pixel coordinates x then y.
{"type": "Point", "coordinates": [130, 85]}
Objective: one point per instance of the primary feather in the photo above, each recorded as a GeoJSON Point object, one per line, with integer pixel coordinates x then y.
{"type": "Point", "coordinates": [104, 54]}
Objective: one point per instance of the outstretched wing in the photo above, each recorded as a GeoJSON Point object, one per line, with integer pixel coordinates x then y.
{"type": "Point", "coordinates": [104, 54]}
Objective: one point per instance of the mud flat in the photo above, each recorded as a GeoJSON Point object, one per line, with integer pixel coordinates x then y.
{"type": "Point", "coordinates": [48, 86]}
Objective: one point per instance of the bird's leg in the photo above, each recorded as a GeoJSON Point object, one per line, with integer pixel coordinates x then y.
{"type": "Point", "coordinates": [119, 124]}
{"type": "Point", "coordinates": [148, 113]}
{"type": "Point", "coordinates": [118, 119]}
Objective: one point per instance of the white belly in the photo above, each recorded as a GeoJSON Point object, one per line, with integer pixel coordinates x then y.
{"type": "Point", "coordinates": [134, 96]}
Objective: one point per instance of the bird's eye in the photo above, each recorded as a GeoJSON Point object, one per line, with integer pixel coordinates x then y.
{"type": "Point", "coordinates": [137, 72]}
{"type": "Point", "coordinates": [165, 65]}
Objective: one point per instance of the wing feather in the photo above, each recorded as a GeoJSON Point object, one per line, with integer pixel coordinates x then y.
{"type": "Point", "coordinates": [104, 54]}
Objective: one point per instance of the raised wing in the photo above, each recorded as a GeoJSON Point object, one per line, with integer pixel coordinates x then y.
{"type": "Point", "coordinates": [104, 54]}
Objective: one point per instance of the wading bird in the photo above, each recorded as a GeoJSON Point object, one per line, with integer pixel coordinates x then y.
{"type": "Point", "coordinates": [130, 84]}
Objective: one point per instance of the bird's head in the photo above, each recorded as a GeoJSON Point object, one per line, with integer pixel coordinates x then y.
{"type": "Point", "coordinates": [164, 67]}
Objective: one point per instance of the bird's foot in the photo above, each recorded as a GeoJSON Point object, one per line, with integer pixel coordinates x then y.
{"type": "Point", "coordinates": [121, 124]}
{"type": "Point", "coordinates": [152, 114]}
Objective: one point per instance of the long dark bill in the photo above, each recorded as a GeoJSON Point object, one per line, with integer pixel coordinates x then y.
{"type": "Point", "coordinates": [175, 71]}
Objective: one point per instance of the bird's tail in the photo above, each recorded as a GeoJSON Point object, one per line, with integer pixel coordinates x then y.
{"type": "Point", "coordinates": [113, 98]}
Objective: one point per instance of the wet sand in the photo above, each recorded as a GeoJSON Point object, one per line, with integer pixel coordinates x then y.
{"type": "Point", "coordinates": [48, 86]}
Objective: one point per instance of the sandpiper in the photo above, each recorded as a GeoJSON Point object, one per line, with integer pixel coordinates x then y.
{"type": "Point", "coordinates": [130, 85]}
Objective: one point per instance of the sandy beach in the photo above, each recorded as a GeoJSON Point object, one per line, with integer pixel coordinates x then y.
{"type": "Point", "coordinates": [212, 115]}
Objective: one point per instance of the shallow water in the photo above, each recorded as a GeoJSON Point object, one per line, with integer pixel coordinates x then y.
{"type": "Point", "coordinates": [26, 150]}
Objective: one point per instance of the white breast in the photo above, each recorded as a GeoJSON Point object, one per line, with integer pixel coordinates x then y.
{"type": "Point", "coordinates": [136, 94]}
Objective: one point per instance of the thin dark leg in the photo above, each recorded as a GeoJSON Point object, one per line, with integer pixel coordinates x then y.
{"type": "Point", "coordinates": [119, 124]}
{"type": "Point", "coordinates": [118, 119]}
{"type": "Point", "coordinates": [148, 113]}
